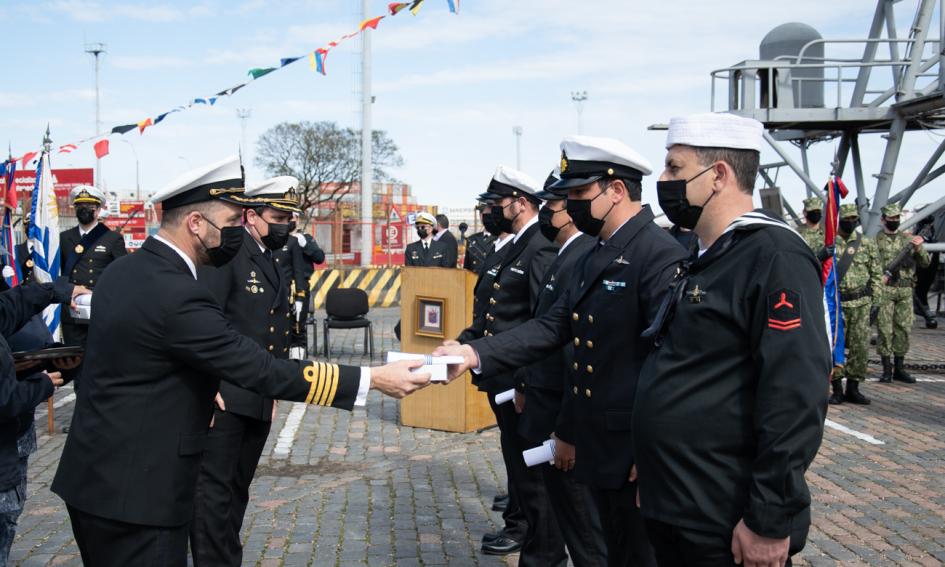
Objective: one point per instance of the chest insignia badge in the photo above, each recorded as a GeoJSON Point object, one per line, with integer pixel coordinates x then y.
{"type": "Point", "coordinates": [695, 295]}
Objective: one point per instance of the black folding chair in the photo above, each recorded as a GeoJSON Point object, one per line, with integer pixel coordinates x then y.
{"type": "Point", "coordinates": [346, 308]}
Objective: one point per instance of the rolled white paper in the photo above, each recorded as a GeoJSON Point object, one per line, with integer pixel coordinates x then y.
{"type": "Point", "coordinates": [544, 453]}
{"type": "Point", "coordinates": [506, 396]}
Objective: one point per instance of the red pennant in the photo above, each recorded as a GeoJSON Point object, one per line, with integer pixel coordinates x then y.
{"type": "Point", "coordinates": [28, 157]}
{"type": "Point", "coordinates": [101, 148]}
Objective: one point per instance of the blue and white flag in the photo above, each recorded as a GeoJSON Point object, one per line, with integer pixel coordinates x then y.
{"type": "Point", "coordinates": [44, 238]}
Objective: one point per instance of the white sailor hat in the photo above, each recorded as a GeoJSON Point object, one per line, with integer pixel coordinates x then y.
{"type": "Point", "coordinates": [424, 217]}
{"type": "Point", "coordinates": [585, 159]}
{"type": "Point", "coordinates": [87, 194]}
{"type": "Point", "coordinates": [277, 193]}
{"type": "Point", "coordinates": [222, 181]}
{"type": "Point", "coordinates": [508, 182]}
{"type": "Point", "coordinates": [546, 194]}
{"type": "Point", "coordinates": [716, 130]}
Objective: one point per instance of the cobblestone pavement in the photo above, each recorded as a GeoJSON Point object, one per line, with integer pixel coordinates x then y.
{"type": "Point", "coordinates": [339, 488]}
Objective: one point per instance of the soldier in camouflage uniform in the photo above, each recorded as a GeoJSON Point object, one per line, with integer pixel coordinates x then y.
{"type": "Point", "coordinates": [811, 230]}
{"type": "Point", "coordinates": [894, 300]}
{"type": "Point", "coordinates": [861, 274]}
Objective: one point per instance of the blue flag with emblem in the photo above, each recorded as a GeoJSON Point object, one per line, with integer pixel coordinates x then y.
{"type": "Point", "coordinates": [44, 237]}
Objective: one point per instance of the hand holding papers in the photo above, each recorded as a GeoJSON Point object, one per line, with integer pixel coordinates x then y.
{"type": "Point", "coordinates": [82, 307]}
{"type": "Point", "coordinates": [466, 357]}
{"type": "Point", "coordinates": [544, 453]}
{"type": "Point", "coordinates": [436, 366]}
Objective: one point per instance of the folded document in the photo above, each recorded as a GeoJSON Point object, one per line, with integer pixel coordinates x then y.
{"type": "Point", "coordinates": [435, 365]}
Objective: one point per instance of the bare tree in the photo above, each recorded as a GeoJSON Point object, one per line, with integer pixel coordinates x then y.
{"type": "Point", "coordinates": [325, 158]}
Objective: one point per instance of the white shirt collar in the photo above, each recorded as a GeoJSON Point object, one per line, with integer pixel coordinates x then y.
{"type": "Point", "coordinates": [569, 241]}
{"type": "Point", "coordinates": [261, 247]}
{"type": "Point", "coordinates": [187, 260]}
{"type": "Point", "coordinates": [500, 242]}
{"type": "Point", "coordinates": [524, 228]}
{"type": "Point", "coordinates": [84, 232]}
{"type": "Point", "coordinates": [439, 234]}
{"type": "Point", "coordinates": [602, 241]}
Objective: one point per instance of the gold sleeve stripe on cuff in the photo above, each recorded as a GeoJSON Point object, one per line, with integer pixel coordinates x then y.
{"type": "Point", "coordinates": [335, 371]}
{"type": "Point", "coordinates": [322, 400]}
{"type": "Point", "coordinates": [309, 374]}
{"type": "Point", "coordinates": [322, 386]}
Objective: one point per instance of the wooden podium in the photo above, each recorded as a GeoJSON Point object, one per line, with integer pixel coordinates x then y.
{"type": "Point", "coordinates": [436, 305]}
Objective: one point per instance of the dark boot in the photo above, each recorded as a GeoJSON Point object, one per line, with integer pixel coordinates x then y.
{"type": "Point", "coordinates": [837, 396]}
{"type": "Point", "coordinates": [930, 321]}
{"type": "Point", "coordinates": [853, 394]}
{"type": "Point", "coordinates": [900, 374]}
{"type": "Point", "coordinates": [887, 370]}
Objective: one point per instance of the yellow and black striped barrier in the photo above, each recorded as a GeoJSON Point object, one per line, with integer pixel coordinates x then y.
{"type": "Point", "coordinates": [381, 284]}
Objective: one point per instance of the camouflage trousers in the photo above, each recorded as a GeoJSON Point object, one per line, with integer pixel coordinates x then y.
{"type": "Point", "coordinates": [13, 499]}
{"type": "Point", "coordinates": [856, 332]}
{"type": "Point", "coordinates": [894, 321]}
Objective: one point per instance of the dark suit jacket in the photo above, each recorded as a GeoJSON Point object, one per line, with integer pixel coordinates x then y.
{"type": "Point", "coordinates": [452, 248]}
{"type": "Point", "coordinates": [478, 247]}
{"type": "Point", "coordinates": [611, 302]}
{"type": "Point", "coordinates": [513, 296]}
{"type": "Point", "coordinates": [545, 381]}
{"type": "Point", "coordinates": [92, 260]}
{"type": "Point", "coordinates": [433, 257]}
{"type": "Point", "coordinates": [158, 346]}
{"type": "Point", "coordinates": [255, 300]}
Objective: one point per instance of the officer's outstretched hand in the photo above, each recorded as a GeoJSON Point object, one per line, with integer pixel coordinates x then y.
{"type": "Point", "coordinates": [76, 292]}
{"type": "Point", "coordinates": [453, 348]}
{"type": "Point", "coordinates": [396, 379]}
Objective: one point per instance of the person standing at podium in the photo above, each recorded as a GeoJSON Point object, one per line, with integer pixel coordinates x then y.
{"type": "Point", "coordinates": [426, 252]}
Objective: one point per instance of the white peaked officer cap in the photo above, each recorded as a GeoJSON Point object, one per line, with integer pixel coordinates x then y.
{"type": "Point", "coordinates": [424, 217]}
{"type": "Point", "coordinates": [279, 193]}
{"type": "Point", "coordinates": [586, 159]}
{"type": "Point", "coordinates": [87, 194]}
{"type": "Point", "coordinates": [222, 180]}
{"type": "Point", "coordinates": [508, 182]}
{"type": "Point", "coordinates": [716, 130]}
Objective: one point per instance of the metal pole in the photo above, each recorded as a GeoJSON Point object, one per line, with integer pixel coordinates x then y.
{"type": "Point", "coordinates": [243, 114]}
{"type": "Point", "coordinates": [367, 168]}
{"type": "Point", "coordinates": [869, 54]}
{"type": "Point", "coordinates": [579, 97]}
{"type": "Point", "coordinates": [517, 130]}
{"type": "Point", "coordinates": [96, 49]}
{"type": "Point", "coordinates": [893, 144]}
{"type": "Point", "coordinates": [926, 211]}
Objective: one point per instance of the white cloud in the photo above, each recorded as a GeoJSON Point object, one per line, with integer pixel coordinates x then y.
{"type": "Point", "coordinates": [148, 62]}
{"type": "Point", "coordinates": [93, 11]}
{"type": "Point", "coordinates": [16, 100]}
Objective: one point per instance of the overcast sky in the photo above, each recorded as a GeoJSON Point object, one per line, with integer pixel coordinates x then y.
{"type": "Point", "coordinates": [448, 88]}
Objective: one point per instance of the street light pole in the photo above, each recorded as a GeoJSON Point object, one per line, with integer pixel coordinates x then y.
{"type": "Point", "coordinates": [243, 114]}
{"type": "Point", "coordinates": [517, 130]}
{"type": "Point", "coordinates": [96, 50]}
{"type": "Point", "coordinates": [579, 97]}
{"type": "Point", "coordinates": [367, 167]}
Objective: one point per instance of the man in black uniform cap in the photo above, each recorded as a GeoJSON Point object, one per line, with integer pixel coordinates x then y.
{"type": "Point", "coordinates": [87, 249]}
{"type": "Point", "coordinates": [478, 245]}
{"type": "Point", "coordinates": [730, 408]}
{"type": "Point", "coordinates": [254, 296]}
{"type": "Point", "coordinates": [158, 346]}
{"type": "Point", "coordinates": [613, 298]}
{"type": "Point", "coordinates": [511, 300]}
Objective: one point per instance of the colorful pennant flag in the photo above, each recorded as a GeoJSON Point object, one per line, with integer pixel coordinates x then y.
{"type": "Point", "coordinates": [316, 60]}
{"type": "Point", "coordinates": [231, 90]}
{"type": "Point", "coordinates": [101, 148]}
{"type": "Point", "coordinates": [415, 7]}
{"type": "Point", "coordinates": [124, 128]}
{"type": "Point", "coordinates": [27, 158]}
{"type": "Point", "coordinates": [286, 60]}
{"type": "Point", "coordinates": [371, 23]}
{"type": "Point", "coordinates": [454, 6]}
{"type": "Point", "coordinates": [257, 72]}
{"type": "Point", "coordinates": [67, 148]}
{"type": "Point", "coordinates": [144, 124]}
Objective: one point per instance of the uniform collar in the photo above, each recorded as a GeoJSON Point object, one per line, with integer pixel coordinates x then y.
{"type": "Point", "coordinates": [185, 257]}
{"type": "Point", "coordinates": [574, 237]}
{"type": "Point", "coordinates": [524, 228]}
{"type": "Point", "coordinates": [501, 242]}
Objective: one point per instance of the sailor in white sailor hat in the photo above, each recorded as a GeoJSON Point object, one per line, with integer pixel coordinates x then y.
{"type": "Point", "coordinates": [730, 409]}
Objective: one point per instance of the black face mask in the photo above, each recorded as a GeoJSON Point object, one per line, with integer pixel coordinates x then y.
{"type": "Point", "coordinates": [548, 230]}
{"type": "Point", "coordinates": [847, 226]}
{"type": "Point", "coordinates": [673, 201]}
{"type": "Point", "coordinates": [488, 223]}
{"type": "Point", "coordinates": [85, 215]}
{"type": "Point", "coordinates": [278, 234]}
{"type": "Point", "coordinates": [422, 232]}
{"type": "Point", "coordinates": [892, 225]}
{"type": "Point", "coordinates": [580, 212]}
{"type": "Point", "coordinates": [502, 224]}
{"type": "Point", "coordinates": [813, 217]}
{"type": "Point", "coordinates": [231, 238]}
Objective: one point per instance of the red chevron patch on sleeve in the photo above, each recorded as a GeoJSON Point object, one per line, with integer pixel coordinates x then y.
{"type": "Point", "coordinates": [784, 310]}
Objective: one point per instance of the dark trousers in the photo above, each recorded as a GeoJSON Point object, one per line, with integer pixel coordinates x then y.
{"type": "Point", "coordinates": [544, 544]}
{"type": "Point", "coordinates": [578, 519]}
{"type": "Point", "coordinates": [676, 546]}
{"type": "Point", "coordinates": [624, 532]}
{"type": "Point", "coordinates": [111, 543]}
{"type": "Point", "coordinates": [229, 461]}
{"type": "Point", "coordinates": [506, 419]}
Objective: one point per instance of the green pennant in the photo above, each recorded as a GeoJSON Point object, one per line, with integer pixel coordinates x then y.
{"type": "Point", "coordinates": [260, 71]}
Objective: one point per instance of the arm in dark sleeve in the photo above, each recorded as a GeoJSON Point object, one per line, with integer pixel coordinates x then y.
{"type": "Point", "coordinates": [790, 403]}
{"type": "Point", "coordinates": [655, 282]}
{"type": "Point", "coordinates": [564, 425]}
{"type": "Point", "coordinates": [536, 272]}
{"type": "Point", "coordinates": [313, 253]}
{"type": "Point", "coordinates": [19, 304]}
{"type": "Point", "coordinates": [527, 343]}
{"type": "Point", "coordinates": [199, 336]}
{"type": "Point", "coordinates": [22, 396]}
{"type": "Point", "coordinates": [218, 280]}
{"type": "Point", "coordinates": [298, 269]}
{"type": "Point", "coordinates": [117, 247]}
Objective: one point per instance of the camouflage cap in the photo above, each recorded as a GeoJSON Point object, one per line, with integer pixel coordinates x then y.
{"type": "Point", "coordinates": [813, 204]}
{"type": "Point", "coordinates": [849, 210]}
{"type": "Point", "coordinates": [892, 210]}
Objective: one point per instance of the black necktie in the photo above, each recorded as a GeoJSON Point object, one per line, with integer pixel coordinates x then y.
{"type": "Point", "coordinates": [426, 245]}
{"type": "Point", "coordinates": [267, 253]}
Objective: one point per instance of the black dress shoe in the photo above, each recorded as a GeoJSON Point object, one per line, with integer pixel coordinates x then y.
{"type": "Point", "coordinates": [491, 536]}
{"type": "Point", "coordinates": [500, 506]}
{"type": "Point", "coordinates": [501, 546]}
{"type": "Point", "coordinates": [499, 498]}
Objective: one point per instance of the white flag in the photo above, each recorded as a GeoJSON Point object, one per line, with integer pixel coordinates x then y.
{"type": "Point", "coordinates": [44, 238]}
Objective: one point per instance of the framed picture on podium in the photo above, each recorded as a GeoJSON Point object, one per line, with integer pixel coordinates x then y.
{"type": "Point", "coordinates": [431, 317]}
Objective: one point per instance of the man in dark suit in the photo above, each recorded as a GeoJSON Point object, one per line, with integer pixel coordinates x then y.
{"type": "Point", "coordinates": [158, 346]}
{"type": "Point", "coordinates": [511, 301]}
{"type": "Point", "coordinates": [442, 234]}
{"type": "Point", "coordinates": [612, 300]}
{"type": "Point", "coordinates": [426, 251]}
{"type": "Point", "coordinates": [540, 397]}
{"type": "Point", "coordinates": [254, 296]}
{"type": "Point", "coordinates": [87, 249]}
{"type": "Point", "coordinates": [479, 245]}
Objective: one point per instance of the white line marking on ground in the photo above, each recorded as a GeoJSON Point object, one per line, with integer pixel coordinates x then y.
{"type": "Point", "coordinates": [861, 436]}
{"type": "Point", "coordinates": [289, 429]}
